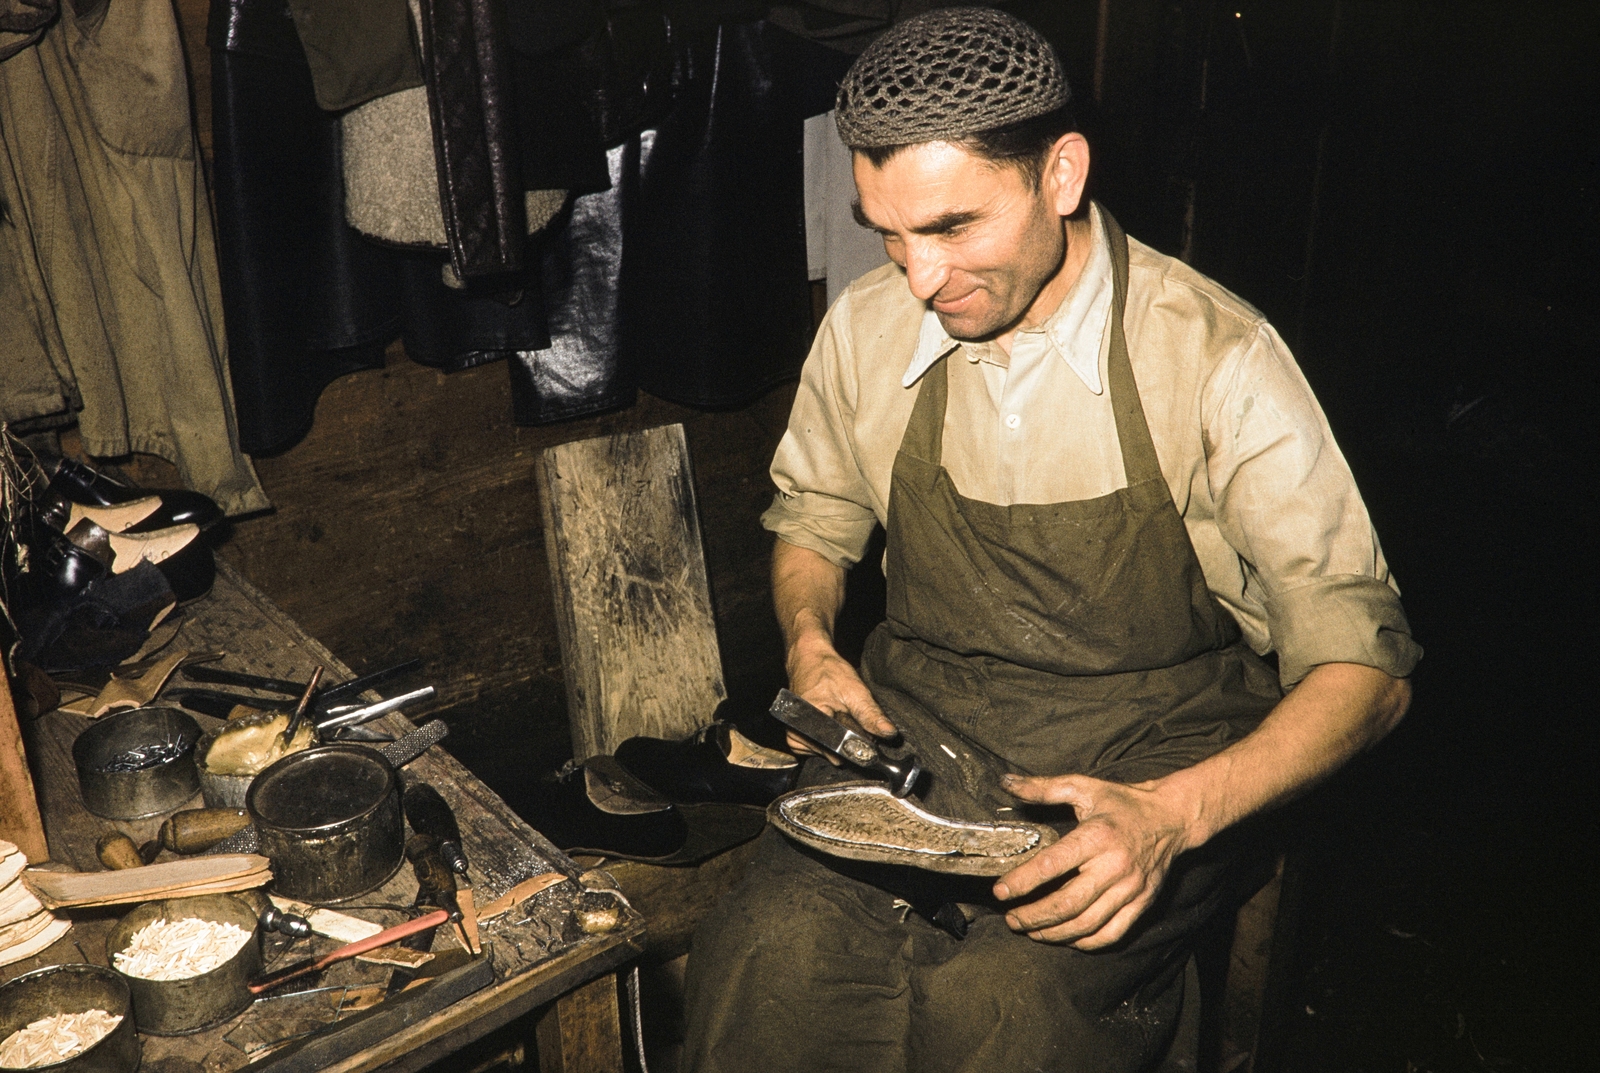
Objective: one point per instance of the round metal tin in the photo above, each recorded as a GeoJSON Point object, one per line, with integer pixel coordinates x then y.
{"type": "Point", "coordinates": [75, 989]}
{"type": "Point", "coordinates": [134, 795]}
{"type": "Point", "coordinates": [330, 819]}
{"type": "Point", "coordinates": [180, 1007]}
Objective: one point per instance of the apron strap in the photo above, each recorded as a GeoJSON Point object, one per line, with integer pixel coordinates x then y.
{"type": "Point", "coordinates": [1139, 461]}
{"type": "Point", "coordinates": [924, 436]}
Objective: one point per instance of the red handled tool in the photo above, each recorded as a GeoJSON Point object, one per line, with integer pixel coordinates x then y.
{"type": "Point", "coordinates": [350, 950]}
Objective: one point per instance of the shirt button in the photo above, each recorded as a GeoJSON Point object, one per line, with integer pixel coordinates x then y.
{"type": "Point", "coordinates": [1013, 420]}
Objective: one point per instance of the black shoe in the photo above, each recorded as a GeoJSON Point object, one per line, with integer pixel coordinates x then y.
{"type": "Point", "coordinates": [76, 614]}
{"type": "Point", "coordinates": [597, 807]}
{"type": "Point", "coordinates": [78, 483]}
{"type": "Point", "coordinates": [717, 764]}
{"type": "Point", "coordinates": [177, 551]}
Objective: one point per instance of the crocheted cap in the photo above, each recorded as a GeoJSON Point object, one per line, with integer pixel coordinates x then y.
{"type": "Point", "coordinates": [947, 73]}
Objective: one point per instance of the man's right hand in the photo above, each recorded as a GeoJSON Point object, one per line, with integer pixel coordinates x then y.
{"type": "Point", "coordinates": [807, 592]}
{"type": "Point", "coordinates": [818, 674]}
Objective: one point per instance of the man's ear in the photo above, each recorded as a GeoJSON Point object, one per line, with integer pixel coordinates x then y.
{"type": "Point", "coordinates": [1066, 172]}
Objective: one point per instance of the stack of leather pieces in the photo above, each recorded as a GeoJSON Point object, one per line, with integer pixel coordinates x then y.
{"type": "Point", "coordinates": [216, 874]}
{"type": "Point", "coordinates": [26, 926]}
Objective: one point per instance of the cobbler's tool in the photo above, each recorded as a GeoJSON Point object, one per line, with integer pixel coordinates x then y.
{"type": "Point", "coordinates": [117, 851]}
{"type": "Point", "coordinates": [436, 883]}
{"type": "Point", "coordinates": [365, 713]}
{"type": "Point", "coordinates": [430, 815]}
{"type": "Point", "coordinates": [841, 736]}
{"type": "Point", "coordinates": [214, 702]}
{"type": "Point", "coordinates": [300, 709]}
{"type": "Point", "coordinates": [344, 953]}
{"type": "Point", "coordinates": [360, 684]}
{"type": "Point", "coordinates": [291, 924]}
{"type": "Point", "coordinates": [218, 676]}
{"type": "Point", "coordinates": [195, 830]}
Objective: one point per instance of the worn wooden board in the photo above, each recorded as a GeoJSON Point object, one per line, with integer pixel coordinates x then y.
{"type": "Point", "coordinates": [534, 954]}
{"type": "Point", "coordinates": [20, 823]}
{"type": "Point", "coordinates": [633, 607]}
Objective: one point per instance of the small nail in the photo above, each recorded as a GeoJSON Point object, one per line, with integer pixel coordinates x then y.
{"type": "Point", "coordinates": [1008, 778]}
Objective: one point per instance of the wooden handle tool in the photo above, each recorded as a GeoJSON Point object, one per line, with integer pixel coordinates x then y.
{"type": "Point", "coordinates": [195, 830]}
{"type": "Point", "coordinates": [117, 851]}
{"type": "Point", "coordinates": [344, 953]}
{"type": "Point", "coordinates": [300, 709]}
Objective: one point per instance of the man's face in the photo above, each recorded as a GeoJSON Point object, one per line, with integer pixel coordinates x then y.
{"type": "Point", "coordinates": [977, 240]}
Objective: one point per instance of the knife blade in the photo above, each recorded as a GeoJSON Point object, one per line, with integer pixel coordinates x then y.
{"type": "Point", "coordinates": [846, 740]}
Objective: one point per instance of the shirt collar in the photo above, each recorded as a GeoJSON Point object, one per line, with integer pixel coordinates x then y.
{"type": "Point", "coordinates": [1074, 330]}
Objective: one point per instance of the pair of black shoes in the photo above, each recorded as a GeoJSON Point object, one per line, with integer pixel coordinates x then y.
{"type": "Point", "coordinates": [665, 801]}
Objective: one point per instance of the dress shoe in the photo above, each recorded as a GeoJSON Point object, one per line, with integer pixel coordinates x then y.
{"type": "Point", "coordinates": [598, 807]}
{"type": "Point", "coordinates": [60, 513]}
{"type": "Point", "coordinates": [176, 551]}
{"type": "Point", "coordinates": [717, 763]}
{"type": "Point", "coordinates": [75, 613]}
{"type": "Point", "coordinates": [83, 484]}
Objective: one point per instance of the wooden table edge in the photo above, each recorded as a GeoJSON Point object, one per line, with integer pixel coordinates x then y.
{"type": "Point", "coordinates": [477, 1015]}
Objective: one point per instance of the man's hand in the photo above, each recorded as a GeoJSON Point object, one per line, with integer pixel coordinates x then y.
{"type": "Point", "coordinates": [1121, 850]}
{"type": "Point", "coordinates": [807, 592]}
{"type": "Point", "coordinates": [820, 675]}
{"type": "Point", "coordinates": [1128, 835]}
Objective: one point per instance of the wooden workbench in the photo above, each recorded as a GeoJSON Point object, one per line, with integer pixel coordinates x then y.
{"type": "Point", "coordinates": [537, 954]}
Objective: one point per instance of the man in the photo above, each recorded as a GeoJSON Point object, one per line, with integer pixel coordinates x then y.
{"type": "Point", "coordinates": [1106, 489]}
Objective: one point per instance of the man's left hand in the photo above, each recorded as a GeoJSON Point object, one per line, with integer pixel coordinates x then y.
{"type": "Point", "coordinates": [1125, 841]}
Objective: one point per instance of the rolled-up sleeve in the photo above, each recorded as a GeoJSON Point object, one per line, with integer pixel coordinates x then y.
{"type": "Point", "coordinates": [1288, 505]}
{"type": "Point", "coordinates": [823, 502]}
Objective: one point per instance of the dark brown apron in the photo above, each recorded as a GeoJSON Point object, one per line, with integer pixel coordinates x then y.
{"type": "Point", "coordinates": [1063, 638]}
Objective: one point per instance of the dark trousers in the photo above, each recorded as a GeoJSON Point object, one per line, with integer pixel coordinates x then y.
{"type": "Point", "coordinates": [802, 968]}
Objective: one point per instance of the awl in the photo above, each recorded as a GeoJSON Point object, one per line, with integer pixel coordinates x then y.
{"type": "Point", "coordinates": [841, 736]}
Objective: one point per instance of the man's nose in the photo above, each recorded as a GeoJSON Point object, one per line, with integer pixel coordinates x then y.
{"type": "Point", "coordinates": [927, 271]}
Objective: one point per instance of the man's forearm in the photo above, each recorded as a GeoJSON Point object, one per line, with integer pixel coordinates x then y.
{"type": "Point", "coordinates": [807, 592]}
{"type": "Point", "coordinates": [1128, 835]}
{"type": "Point", "coordinates": [1334, 713]}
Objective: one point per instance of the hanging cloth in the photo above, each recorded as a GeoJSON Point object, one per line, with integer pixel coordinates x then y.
{"type": "Point", "coordinates": [108, 271]}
